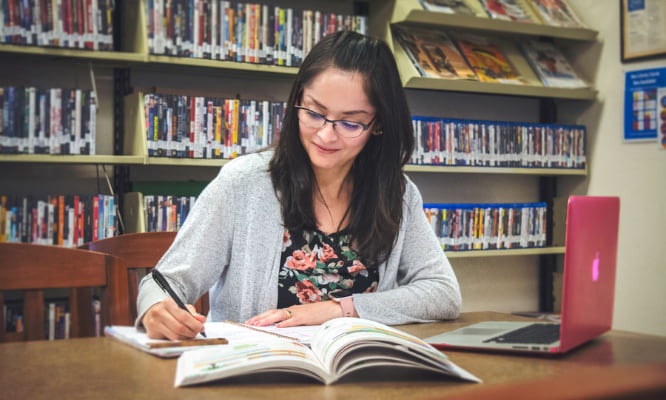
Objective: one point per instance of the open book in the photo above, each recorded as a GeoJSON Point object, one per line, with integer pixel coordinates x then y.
{"type": "Point", "coordinates": [339, 347]}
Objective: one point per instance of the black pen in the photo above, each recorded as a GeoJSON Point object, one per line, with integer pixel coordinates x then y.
{"type": "Point", "coordinates": [159, 278]}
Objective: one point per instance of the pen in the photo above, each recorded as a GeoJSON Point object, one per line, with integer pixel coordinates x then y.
{"type": "Point", "coordinates": [159, 278]}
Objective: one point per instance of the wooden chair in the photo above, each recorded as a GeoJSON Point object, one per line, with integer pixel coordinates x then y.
{"type": "Point", "coordinates": [140, 253]}
{"type": "Point", "coordinates": [33, 268]}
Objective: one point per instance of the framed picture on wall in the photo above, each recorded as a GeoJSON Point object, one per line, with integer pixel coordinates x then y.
{"type": "Point", "coordinates": [643, 29]}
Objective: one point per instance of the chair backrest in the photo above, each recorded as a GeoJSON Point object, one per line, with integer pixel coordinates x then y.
{"type": "Point", "coordinates": [140, 252]}
{"type": "Point", "coordinates": [32, 269]}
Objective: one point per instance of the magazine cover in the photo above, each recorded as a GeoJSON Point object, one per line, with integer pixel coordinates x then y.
{"type": "Point", "coordinates": [447, 6]}
{"type": "Point", "coordinates": [486, 60]}
{"type": "Point", "coordinates": [509, 10]}
{"type": "Point", "coordinates": [557, 13]}
{"type": "Point", "coordinates": [434, 55]}
{"type": "Point", "coordinates": [550, 65]}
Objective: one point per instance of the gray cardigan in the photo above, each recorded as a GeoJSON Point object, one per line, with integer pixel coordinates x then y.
{"type": "Point", "coordinates": [231, 245]}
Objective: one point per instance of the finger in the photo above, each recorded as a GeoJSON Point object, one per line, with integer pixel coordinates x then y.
{"type": "Point", "coordinates": [180, 322]}
{"type": "Point", "coordinates": [269, 317]}
{"type": "Point", "coordinates": [259, 317]}
{"type": "Point", "coordinates": [193, 310]}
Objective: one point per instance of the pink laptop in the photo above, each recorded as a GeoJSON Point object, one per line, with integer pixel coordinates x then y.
{"type": "Point", "coordinates": [588, 290]}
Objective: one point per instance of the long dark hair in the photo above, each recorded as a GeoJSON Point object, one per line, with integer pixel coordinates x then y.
{"type": "Point", "coordinates": [379, 184]}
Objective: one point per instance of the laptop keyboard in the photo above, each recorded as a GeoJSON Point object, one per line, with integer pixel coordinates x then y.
{"type": "Point", "coordinates": [535, 333]}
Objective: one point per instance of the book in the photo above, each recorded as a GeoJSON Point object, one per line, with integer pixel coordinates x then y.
{"type": "Point", "coordinates": [433, 54]}
{"type": "Point", "coordinates": [508, 10]}
{"type": "Point", "coordinates": [486, 59]}
{"type": "Point", "coordinates": [232, 333]}
{"type": "Point", "coordinates": [447, 6]}
{"type": "Point", "coordinates": [557, 13]}
{"type": "Point", "coordinates": [339, 347]}
{"type": "Point", "coordinates": [550, 65]}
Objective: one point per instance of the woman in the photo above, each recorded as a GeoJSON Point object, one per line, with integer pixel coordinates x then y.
{"type": "Point", "coordinates": [324, 226]}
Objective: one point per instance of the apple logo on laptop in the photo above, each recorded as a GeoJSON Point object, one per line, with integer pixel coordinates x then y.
{"type": "Point", "coordinates": [595, 267]}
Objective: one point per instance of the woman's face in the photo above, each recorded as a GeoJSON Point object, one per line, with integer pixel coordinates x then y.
{"type": "Point", "coordinates": [337, 95]}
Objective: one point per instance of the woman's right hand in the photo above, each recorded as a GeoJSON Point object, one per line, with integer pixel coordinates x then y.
{"type": "Point", "coordinates": [165, 320]}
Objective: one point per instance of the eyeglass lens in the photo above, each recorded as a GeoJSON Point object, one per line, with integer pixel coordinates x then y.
{"type": "Point", "coordinates": [317, 121]}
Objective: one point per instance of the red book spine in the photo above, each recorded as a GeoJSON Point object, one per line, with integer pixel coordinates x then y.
{"type": "Point", "coordinates": [193, 107]}
{"type": "Point", "coordinates": [35, 226]}
{"type": "Point", "coordinates": [77, 232]}
{"type": "Point", "coordinates": [95, 216]}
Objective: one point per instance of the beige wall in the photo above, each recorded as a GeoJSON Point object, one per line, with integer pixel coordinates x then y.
{"type": "Point", "coordinates": [634, 171]}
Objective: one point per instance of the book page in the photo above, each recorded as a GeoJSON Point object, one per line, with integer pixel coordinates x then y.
{"type": "Point", "coordinates": [347, 344]}
{"type": "Point", "coordinates": [249, 356]}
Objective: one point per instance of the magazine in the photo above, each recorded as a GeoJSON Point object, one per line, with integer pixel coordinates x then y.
{"type": "Point", "coordinates": [550, 65]}
{"type": "Point", "coordinates": [447, 6]}
{"type": "Point", "coordinates": [433, 54]}
{"type": "Point", "coordinates": [339, 347]}
{"type": "Point", "coordinates": [486, 60]}
{"type": "Point", "coordinates": [557, 13]}
{"type": "Point", "coordinates": [509, 10]}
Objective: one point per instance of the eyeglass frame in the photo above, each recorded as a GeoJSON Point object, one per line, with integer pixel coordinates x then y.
{"type": "Point", "coordinates": [333, 121]}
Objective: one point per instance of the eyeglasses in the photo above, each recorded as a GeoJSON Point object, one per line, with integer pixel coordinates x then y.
{"type": "Point", "coordinates": [314, 120]}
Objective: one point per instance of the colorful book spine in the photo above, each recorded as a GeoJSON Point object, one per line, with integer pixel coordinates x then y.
{"type": "Point", "coordinates": [488, 226]}
{"type": "Point", "coordinates": [457, 142]}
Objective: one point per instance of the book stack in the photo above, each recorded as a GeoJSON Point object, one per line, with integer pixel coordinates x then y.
{"type": "Point", "coordinates": [238, 31]}
{"type": "Point", "coordinates": [60, 220]}
{"type": "Point", "coordinates": [548, 12]}
{"type": "Point", "coordinates": [460, 142]}
{"type": "Point", "coordinates": [200, 127]}
{"type": "Point", "coordinates": [508, 10]}
{"type": "Point", "coordinates": [434, 54]}
{"type": "Point", "coordinates": [47, 121]}
{"type": "Point", "coordinates": [13, 312]}
{"type": "Point", "coordinates": [452, 55]}
{"type": "Point", "coordinates": [166, 213]}
{"type": "Point", "coordinates": [556, 13]}
{"type": "Point", "coordinates": [448, 6]}
{"type": "Point", "coordinates": [488, 226]}
{"type": "Point", "coordinates": [86, 25]}
{"type": "Point", "coordinates": [551, 65]}
{"type": "Point", "coordinates": [57, 319]}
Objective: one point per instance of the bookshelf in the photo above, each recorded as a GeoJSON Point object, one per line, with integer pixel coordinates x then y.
{"type": "Point", "coordinates": [125, 136]}
{"type": "Point", "coordinates": [505, 34]}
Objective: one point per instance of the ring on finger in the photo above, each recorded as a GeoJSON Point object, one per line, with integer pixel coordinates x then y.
{"type": "Point", "coordinates": [289, 314]}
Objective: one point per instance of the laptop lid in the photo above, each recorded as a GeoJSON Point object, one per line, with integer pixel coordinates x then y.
{"type": "Point", "coordinates": [589, 268]}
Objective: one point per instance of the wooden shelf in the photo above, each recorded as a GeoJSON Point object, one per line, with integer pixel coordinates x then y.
{"type": "Point", "coordinates": [72, 159]}
{"type": "Point", "coordinates": [227, 65]}
{"type": "Point", "coordinates": [494, 170]}
{"type": "Point", "coordinates": [411, 79]}
{"type": "Point", "coordinates": [418, 82]}
{"type": "Point", "coordinates": [411, 12]}
{"type": "Point", "coordinates": [506, 252]}
{"type": "Point", "coordinates": [187, 162]}
{"type": "Point", "coordinates": [112, 57]}
{"type": "Point", "coordinates": [423, 17]}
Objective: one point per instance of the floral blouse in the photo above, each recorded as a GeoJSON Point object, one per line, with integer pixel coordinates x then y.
{"type": "Point", "coordinates": [315, 264]}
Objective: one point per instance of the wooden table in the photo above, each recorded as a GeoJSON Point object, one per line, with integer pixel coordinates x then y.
{"type": "Point", "coordinates": [101, 368]}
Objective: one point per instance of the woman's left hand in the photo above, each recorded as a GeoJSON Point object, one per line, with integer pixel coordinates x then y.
{"type": "Point", "coordinates": [304, 314]}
